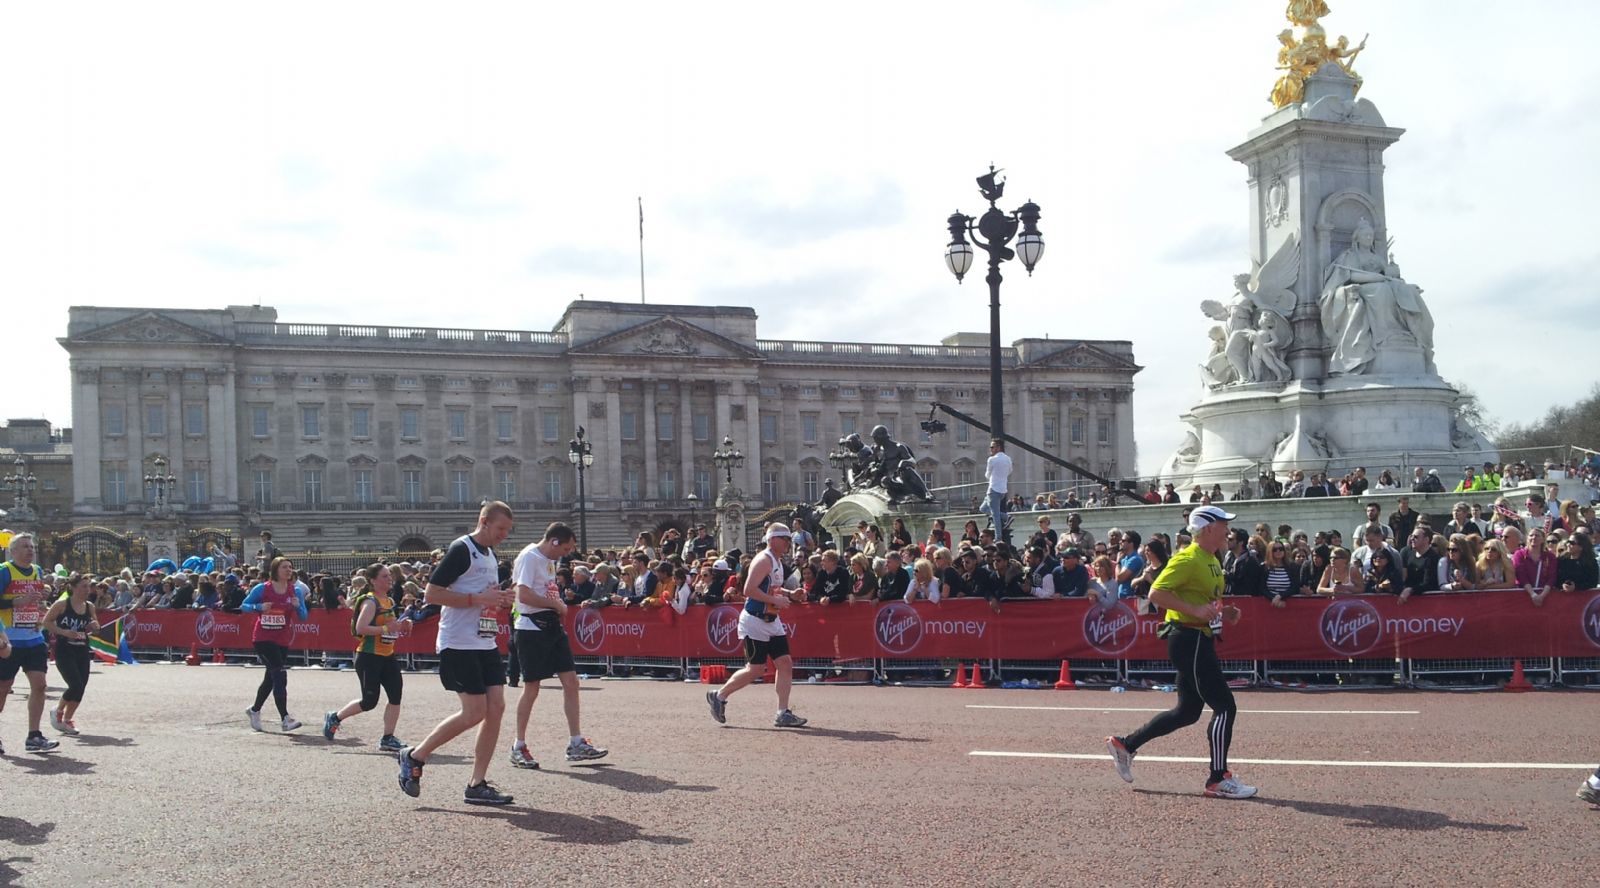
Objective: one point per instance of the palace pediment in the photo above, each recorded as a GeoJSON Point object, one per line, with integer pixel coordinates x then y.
{"type": "Point", "coordinates": [153, 327]}
{"type": "Point", "coordinates": [667, 337]}
{"type": "Point", "coordinates": [1084, 356]}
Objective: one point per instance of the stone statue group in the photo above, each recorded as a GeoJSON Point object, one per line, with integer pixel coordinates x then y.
{"type": "Point", "coordinates": [887, 464]}
{"type": "Point", "coordinates": [1365, 307]}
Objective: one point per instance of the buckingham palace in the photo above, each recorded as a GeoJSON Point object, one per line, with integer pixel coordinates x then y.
{"type": "Point", "coordinates": [343, 437]}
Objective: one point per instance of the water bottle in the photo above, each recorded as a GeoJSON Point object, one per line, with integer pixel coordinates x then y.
{"type": "Point", "coordinates": [1119, 689]}
{"type": "Point", "coordinates": [1216, 628]}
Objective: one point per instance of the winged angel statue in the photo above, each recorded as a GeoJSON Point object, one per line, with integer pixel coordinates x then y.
{"type": "Point", "coordinates": [1249, 343]}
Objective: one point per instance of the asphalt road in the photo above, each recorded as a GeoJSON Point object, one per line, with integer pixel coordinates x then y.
{"type": "Point", "coordinates": [168, 786]}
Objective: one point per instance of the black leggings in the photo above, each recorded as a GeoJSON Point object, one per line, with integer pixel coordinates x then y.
{"type": "Point", "coordinates": [377, 672]}
{"type": "Point", "coordinates": [1200, 684]}
{"type": "Point", "coordinates": [72, 661]}
{"type": "Point", "coordinates": [274, 656]}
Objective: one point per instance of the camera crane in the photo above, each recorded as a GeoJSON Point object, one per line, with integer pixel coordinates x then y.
{"type": "Point", "coordinates": [934, 426]}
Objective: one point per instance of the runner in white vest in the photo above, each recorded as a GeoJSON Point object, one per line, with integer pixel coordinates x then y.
{"type": "Point", "coordinates": [762, 631]}
{"type": "Point", "coordinates": [466, 585]}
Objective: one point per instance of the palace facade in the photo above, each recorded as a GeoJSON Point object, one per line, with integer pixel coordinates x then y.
{"type": "Point", "coordinates": [342, 437]}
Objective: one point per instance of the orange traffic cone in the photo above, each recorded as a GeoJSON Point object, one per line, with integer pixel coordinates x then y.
{"type": "Point", "coordinates": [976, 681]}
{"type": "Point", "coordinates": [1518, 682]}
{"type": "Point", "coordinates": [217, 657]}
{"type": "Point", "coordinates": [1064, 683]}
{"type": "Point", "coordinates": [961, 675]}
{"type": "Point", "coordinates": [194, 655]}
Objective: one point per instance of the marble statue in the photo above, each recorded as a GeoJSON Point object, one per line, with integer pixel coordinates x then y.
{"type": "Point", "coordinates": [1367, 307]}
{"type": "Point", "coordinates": [1249, 346]}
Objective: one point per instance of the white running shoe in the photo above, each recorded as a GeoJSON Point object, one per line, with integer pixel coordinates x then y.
{"type": "Point", "coordinates": [289, 724]}
{"type": "Point", "coordinates": [1229, 788]}
{"type": "Point", "coordinates": [57, 723]}
{"type": "Point", "coordinates": [521, 758]}
{"type": "Point", "coordinates": [255, 719]}
{"type": "Point", "coordinates": [1122, 757]}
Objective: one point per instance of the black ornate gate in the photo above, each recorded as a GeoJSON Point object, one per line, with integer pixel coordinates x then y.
{"type": "Point", "coordinates": [97, 550]}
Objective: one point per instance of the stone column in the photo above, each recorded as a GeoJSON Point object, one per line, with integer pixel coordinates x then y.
{"type": "Point", "coordinates": [1026, 464]}
{"type": "Point", "coordinates": [1122, 433]}
{"type": "Point", "coordinates": [86, 437]}
{"type": "Point", "coordinates": [133, 385]}
{"type": "Point", "coordinates": [611, 475]}
{"type": "Point", "coordinates": [752, 448]}
{"type": "Point", "coordinates": [1091, 432]}
{"type": "Point", "coordinates": [175, 435]}
{"type": "Point", "coordinates": [647, 477]}
{"type": "Point", "coordinates": [230, 425]}
{"type": "Point", "coordinates": [686, 440]}
{"type": "Point", "coordinates": [218, 434]}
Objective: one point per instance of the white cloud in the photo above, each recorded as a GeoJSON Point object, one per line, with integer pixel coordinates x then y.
{"type": "Point", "coordinates": [478, 165]}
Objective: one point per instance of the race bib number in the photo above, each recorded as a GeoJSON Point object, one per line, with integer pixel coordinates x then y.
{"type": "Point", "coordinates": [391, 631]}
{"type": "Point", "coordinates": [274, 621]}
{"type": "Point", "coordinates": [488, 627]}
{"type": "Point", "coordinates": [26, 616]}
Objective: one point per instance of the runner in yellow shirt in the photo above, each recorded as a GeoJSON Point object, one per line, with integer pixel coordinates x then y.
{"type": "Point", "coordinates": [1190, 588]}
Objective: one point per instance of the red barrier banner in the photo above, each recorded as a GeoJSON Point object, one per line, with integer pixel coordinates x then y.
{"type": "Point", "coordinates": [1443, 626]}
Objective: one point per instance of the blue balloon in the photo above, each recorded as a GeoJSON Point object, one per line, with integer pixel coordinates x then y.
{"type": "Point", "coordinates": [164, 564]}
{"type": "Point", "coordinates": [191, 563]}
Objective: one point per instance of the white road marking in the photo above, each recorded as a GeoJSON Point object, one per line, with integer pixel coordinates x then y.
{"type": "Point", "coordinates": [1304, 763]}
{"type": "Point", "coordinates": [1164, 709]}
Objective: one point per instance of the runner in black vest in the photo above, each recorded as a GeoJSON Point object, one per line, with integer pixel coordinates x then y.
{"type": "Point", "coordinates": [71, 620]}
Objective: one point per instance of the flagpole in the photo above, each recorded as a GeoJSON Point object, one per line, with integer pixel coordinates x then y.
{"type": "Point", "coordinates": [641, 250]}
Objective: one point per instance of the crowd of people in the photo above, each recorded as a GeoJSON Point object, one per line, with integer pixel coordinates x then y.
{"type": "Point", "coordinates": [1582, 475]}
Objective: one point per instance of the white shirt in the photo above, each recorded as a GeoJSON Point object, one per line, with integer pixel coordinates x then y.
{"type": "Point", "coordinates": [459, 627]}
{"type": "Point", "coordinates": [538, 573]}
{"type": "Point", "coordinates": [998, 471]}
{"type": "Point", "coordinates": [930, 592]}
{"type": "Point", "coordinates": [752, 626]}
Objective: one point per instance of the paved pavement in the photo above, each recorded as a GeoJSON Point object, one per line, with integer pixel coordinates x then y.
{"type": "Point", "coordinates": [168, 786]}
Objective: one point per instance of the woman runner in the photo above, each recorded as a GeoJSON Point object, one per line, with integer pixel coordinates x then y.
{"type": "Point", "coordinates": [376, 625]}
{"type": "Point", "coordinates": [273, 601]}
{"type": "Point", "coordinates": [71, 620]}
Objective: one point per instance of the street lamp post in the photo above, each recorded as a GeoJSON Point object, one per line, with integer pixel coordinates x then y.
{"type": "Point", "coordinates": [728, 458]}
{"type": "Point", "coordinates": [839, 459]}
{"type": "Point", "coordinates": [159, 485]}
{"type": "Point", "coordinates": [694, 505]}
{"type": "Point", "coordinates": [998, 228]}
{"type": "Point", "coordinates": [21, 483]}
{"type": "Point", "coordinates": [581, 454]}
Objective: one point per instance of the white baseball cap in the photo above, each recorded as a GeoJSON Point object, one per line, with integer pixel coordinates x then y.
{"type": "Point", "coordinates": [1205, 516]}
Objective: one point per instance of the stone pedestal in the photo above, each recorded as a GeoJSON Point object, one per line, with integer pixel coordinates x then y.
{"type": "Point", "coordinates": [161, 539]}
{"type": "Point", "coordinates": [730, 519]}
{"type": "Point", "coordinates": [1318, 224]}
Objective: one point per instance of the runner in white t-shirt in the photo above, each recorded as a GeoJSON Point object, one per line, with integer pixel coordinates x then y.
{"type": "Point", "coordinates": [466, 585]}
{"type": "Point", "coordinates": [763, 632]}
{"type": "Point", "coordinates": [542, 647]}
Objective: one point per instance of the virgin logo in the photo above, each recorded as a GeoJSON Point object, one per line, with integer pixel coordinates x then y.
{"type": "Point", "coordinates": [589, 629]}
{"type": "Point", "coordinates": [205, 627]}
{"type": "Point", "coordinates": [1591, 621]}
{"type": "Point", "coordinates": [899, 628]}
{"type": "Point", "coordinates": [1350, 627]}
{"type": "Point", "coordinates": [1110, 629]}
{"type": "Point", "coordinates": [722, 625]}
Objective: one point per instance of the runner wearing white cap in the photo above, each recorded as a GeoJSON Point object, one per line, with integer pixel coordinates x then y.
{"type": "Point", "coordinates": [1190, 588]}
{"type": "Point", "coordinates": [762, 632]}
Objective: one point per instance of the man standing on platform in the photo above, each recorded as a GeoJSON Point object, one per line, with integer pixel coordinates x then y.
{"type": "Point", "coordinates": [998, 471]}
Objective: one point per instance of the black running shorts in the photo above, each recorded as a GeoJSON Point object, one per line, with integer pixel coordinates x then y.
{"type": "Point", "coordinates": [471, 672]}
{"type": "Point", "coordinates": [26, 659]}
{"type": "Point", "coordinates": [544, 653]}
{"type": "Point", "coordinates": [759, 651]}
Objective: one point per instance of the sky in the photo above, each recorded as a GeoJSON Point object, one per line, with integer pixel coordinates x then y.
{"type": "Point", "coordinates": [477, 164]}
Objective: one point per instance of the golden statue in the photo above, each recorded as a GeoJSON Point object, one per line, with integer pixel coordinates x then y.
{"type": "Point", "coordinates": [1299, 59]}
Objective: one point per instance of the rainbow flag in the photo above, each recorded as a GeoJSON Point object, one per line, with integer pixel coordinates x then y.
{"type": "Point", "coordinates": [109, 645]}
